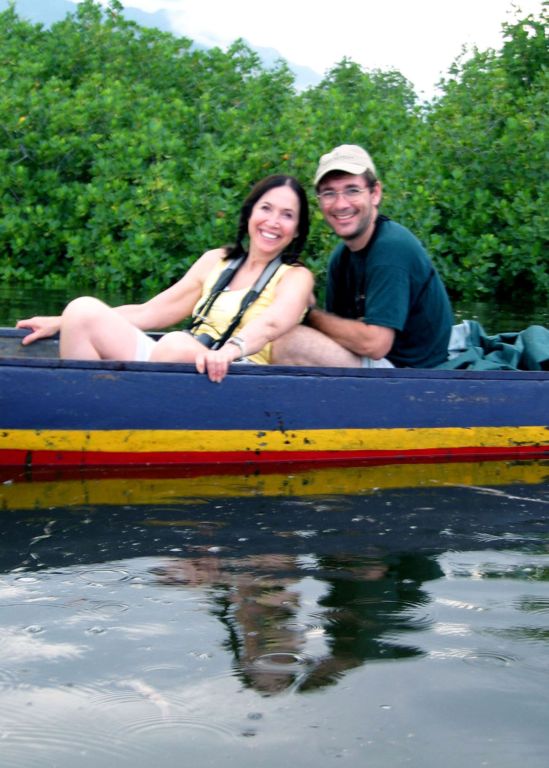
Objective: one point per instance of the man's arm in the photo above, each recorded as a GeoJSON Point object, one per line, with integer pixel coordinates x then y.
{"type": "Point", "coordinates": [362, 339]}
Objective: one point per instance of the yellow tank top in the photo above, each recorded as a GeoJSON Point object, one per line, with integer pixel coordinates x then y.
{"type": "Point", "coordinates": [227, 304]}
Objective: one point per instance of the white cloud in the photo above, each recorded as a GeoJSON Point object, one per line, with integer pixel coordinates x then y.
{"type": "Point", "coordinates": [421, 39]}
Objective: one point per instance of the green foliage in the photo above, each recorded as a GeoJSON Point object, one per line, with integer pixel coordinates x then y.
{"type": "Point", "coordinates": [126, 152]}
{"type": "Point", "coordinates": [486, 139]}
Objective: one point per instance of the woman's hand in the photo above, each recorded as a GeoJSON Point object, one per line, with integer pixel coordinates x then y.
{"type": "Point", "coordinates": [41, 327]}
{"type": "Point", "coordinates": [216, 362]}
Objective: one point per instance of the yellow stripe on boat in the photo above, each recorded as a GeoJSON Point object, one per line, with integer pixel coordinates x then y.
{"type": "Point", "coordinates": [303, 441]}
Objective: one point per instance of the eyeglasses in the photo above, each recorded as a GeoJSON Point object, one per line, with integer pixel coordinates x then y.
{"type": "Point", "coordinates": [329, 196]}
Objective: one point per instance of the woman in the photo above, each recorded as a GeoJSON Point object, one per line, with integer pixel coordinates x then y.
{"type": "Point", "coordinates": [275, 219]}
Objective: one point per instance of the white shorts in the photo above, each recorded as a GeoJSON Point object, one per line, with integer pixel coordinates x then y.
{"type": "Point", "coordinates": [144, 347]}
{"type": "Point", "coordinates": [367, 362]}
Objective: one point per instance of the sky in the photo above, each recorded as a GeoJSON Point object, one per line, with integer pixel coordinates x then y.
{"type": "Point", "coordinates": [419, 38]}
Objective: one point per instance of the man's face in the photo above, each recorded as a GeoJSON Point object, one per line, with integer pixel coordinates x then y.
{"type": "Point", "coordinates": [349, 207]}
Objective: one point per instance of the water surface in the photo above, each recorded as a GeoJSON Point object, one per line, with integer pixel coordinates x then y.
{"type": "Point", "coordinates": [20, 301]}
{"type": "Point", "coordinates": [384, 616]}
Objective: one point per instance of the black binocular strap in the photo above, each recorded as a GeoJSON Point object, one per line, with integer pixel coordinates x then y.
{"type": "Point", "coordinates": [222, 281]}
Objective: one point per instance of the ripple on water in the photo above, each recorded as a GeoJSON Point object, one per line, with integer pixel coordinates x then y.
{"type": "Point", "coordinates": [145, 711]}
{"type": "Point", "coordinates": [8, 679]}
{"type": "Point", "coordinates": [489, 659]}
{"type": "Point", "coordinates": [26, 579]}
{"type": "Point", "coordinates": [280, 662]}
{"type": "Point", "coordinates": [24, 645]}
{"type": "Point", "coordinates": [533, 604]}
{"type": "Point", "coordinates": [151, 725]}
{"type": "Point", "coordinates": [302, 628]}
{"type": "Point", "coordinates": [100, 576]}
{"type": "Point", "coordinates": [43, 726]}
{"type": "Point", "coordinates": [104, 609]}
{"type": "Point", "coordinates": [505, 538]}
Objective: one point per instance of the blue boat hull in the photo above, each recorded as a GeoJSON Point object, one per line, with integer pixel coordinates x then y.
{"type": "Point", "coordinates": [56, 412]}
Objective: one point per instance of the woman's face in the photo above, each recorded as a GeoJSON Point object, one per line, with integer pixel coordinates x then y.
{"type": "Point", "coordinates": [273, 221]}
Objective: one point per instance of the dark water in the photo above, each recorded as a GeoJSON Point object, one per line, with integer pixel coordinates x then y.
{"type": "Point", "coordinates": [378, 616]}
{"type": "Point", "coordinates": [18, 302]}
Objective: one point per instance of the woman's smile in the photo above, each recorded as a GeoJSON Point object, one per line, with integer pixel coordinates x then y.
{"type": "Point", "coordinates": [273, 222]}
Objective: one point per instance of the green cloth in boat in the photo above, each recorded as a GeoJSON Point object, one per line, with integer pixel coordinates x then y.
{"type": "Point", "coordinates": [526, 350]}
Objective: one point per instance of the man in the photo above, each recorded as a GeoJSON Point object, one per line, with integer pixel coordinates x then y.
{"type": "Point", "coordinates": [385, 302]}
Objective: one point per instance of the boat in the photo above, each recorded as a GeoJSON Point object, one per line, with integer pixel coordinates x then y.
{"type": "Point", "coordinates": [81, 413]}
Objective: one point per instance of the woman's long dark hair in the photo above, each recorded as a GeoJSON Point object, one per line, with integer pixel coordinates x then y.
{"type": "Point", "coordinates": [292, 252]}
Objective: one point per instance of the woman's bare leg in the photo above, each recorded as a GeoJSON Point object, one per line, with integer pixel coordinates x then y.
{"type": "Point", "coordinates": [176, 347]}
{"type": "Point", "coordinates": [91, 330]}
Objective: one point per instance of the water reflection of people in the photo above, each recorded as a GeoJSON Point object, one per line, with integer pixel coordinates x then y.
{"type": "Point", "coordinates": [290, 626]}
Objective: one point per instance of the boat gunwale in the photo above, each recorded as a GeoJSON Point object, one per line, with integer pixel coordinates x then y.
{"type": "Point", "coordinates": [35, 360]}
{"type": "Point", "coordinates": [278, 370]}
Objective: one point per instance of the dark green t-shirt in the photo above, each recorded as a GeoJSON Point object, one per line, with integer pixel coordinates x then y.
{"type": "Point", "coordinates": [393, 283]}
